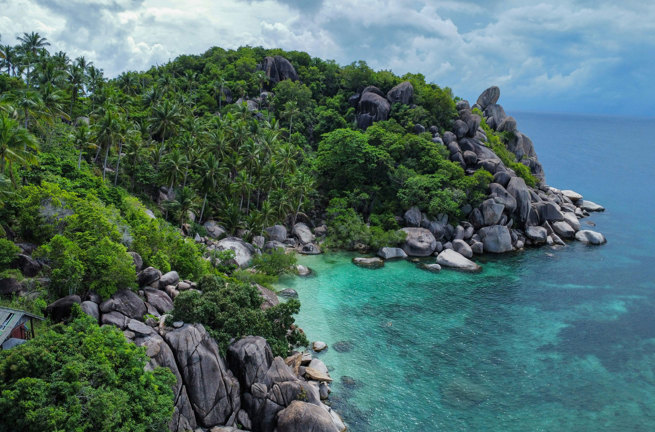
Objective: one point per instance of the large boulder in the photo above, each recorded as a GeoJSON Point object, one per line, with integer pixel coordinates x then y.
{"type": "Point", "coordinates": [269, 298]}
{"type": "Point", "coordinates": [500, 195]}
{"type": "Point", "coordinates": [310, 249]}
{"type": "Point", "coordinates": [27, 265]}
{"type": "Point", "coordinates": [419, 242]}
{"type": "Point", "coordinates": [388, 253]}
{"type": "Point", "coordinates": [453, 259]}
{"type": "Point", "coordinates": [305, 417]}
{"type": "Point", "coordinates": [548, 212]}
{"type": "Point", "coordinates": [127, 303]}
{"type": "Point", "coordinates": [488, 97]}
{"type": "Point", "coordinates": [402, 93]}
{"type": "Point", "coordinates": [536, 234]}
{"type": "Point", "coordinates": [495, 114]}
{"type": "Point", "coordinates": [413, 217]}
{"type": "Point", "coordinates": [60, 310]}
{"type": "Point", "coordinates": [159, 300]}
{"type": "Point", "coordinates": [371, 263]}
{"type": "Point", "coordinates": [137, 260]}
{"type": "Point", "coordinates": [277, 233]}
{"type": "Point", "coordinates": [590, 237]}
{"type": "Point", "coordinates": [491, 211]}
{"type": "Point", "coordinates": [10, 287]}
{"type": "Point", "coordinates": [212, 389]}
{"type": "Point", "coordinates": [519, 190]}
{"type": "Point", "coordinates": [243, 252]}
{"type": "Point", "coordinates": [91, 309]}
{"type": "Point", "coordinates": [303, 233]}
{"type": "Point", "coordinates": [249, 359]}
{"type": "Point", "coordinates": [563, 229]}
{"type": "Point", "coordinates": [278, 69]}
{"type": "Point", "coordinates": [372, 108]}
{"type": "Point", "coordinates": [148, 276]}
{"type": "Point", "coordinates": [496, 239]}
{"type": "Point", "coordinates": [161, 355]}
{"type": "Point", "coordinates": [590, 206]}
{"type": "Point", "coordinates": [214, 230]}
{"type": "Point", "coordinates": [170, 278]}
{"type": "Point", "coordinates": [572, 220]}
{"type": "Point", "coordinates": [461, 247]}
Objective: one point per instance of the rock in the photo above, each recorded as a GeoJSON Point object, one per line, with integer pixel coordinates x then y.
{"type": "Point", "coordinates": [419, 242]}
{"type": "Point", "coordinates": [590, 237]}
{"type": "Point", "coordinates": [462, 105]}
{"type": "Point", "coordinates": [502, 178]}
{"type": "Point", "coordinates": [277, 233]}
{"type": "Point", "coordinates": [321, 230]}
{"type": "Point", "coordinates": [60, 310]}
{"type": "Point", "coordinates": [243, 252]}
{"type": "Point", "coordinates": [139, 328]}
{"type": "Point", "coordinates": [319, 346]}
{"type": "Point", "coordinates": [507, 125]}
{"type": "Point", "coordinates": [125, 302]}
{"type": "Point", "coordinates": [354, 100]}
{"type": "Point", "coordinates": [519, 190]}
{"type": "Point", "coordinates": [402, 93]}
{"type": "Point", "coordinates": [371, 263]}
{"type": "Point", "coordinates": [477, 248]}
{"type": "Point", "coordinates": [272, 245]}
{"type": "Point", "coordinates": [278, 372]}
{"type": "Point", "coordinates": [10, 287]}
{"type": "Point", "coordinates": [249, 359]}
{"type": "Point", "coordinates": [452, 259]}
{"type": "Point", "coordinates": [572, 195]}
{"type": "Point", "coordinates": [310, 249]}
{"type": "Point", "coordinates": [278, 69]}
{"type": "Point", "coordinates": [316, 375]}
{"type": "Point", "coordinates": [214, 230]}
{"type": "Point", "coordinates": [91, 309]}
{"type": "Point", "coordinates": [572, 220]}
{"type": "Point", "coordinates": [461, 247]}
{"type": "Point", "coordinates": [114, 318]}
{"type": "Point", "coordinates": [27, 265]}
{"type": "Point", "coordinates": [460, 128]}
{"type": "Point", "coordinates": [413, 217]}
{"type": "Point", "coordinates": [269, 298]}
{"type": "Point", "coordinates": [470, 158]}
{"type": "Point", "coordinates": [94, 297]}
{"type": "Point", "coordinates": [590, 206]}
{"type": "Point", "coordinates": [496, 239]}
{"type": "Point", "coordinates": [491, 211]}
{"type": "Point", "coordinates": [434, 268]}
{"type": "Point", "coordinates": [501, 196]}
{"type": "Point", "coordinates": [536, 234]}
{"type": "Point", "coordinates": [476, 218]}
{"type": "Point", "coordinates": [373, 89]}
{"type": "Point", "coordinates": [372, 108]}
{"type": "Point", "coordinates": [488, 97]}
{"type": "Point", "coordinates": [289, 292]}
{"type": "Point", "coordinates": [324, 390]}
{"type": "Point", "coordinates": [212, 389]}
{"type": "Point", "coordinates": [159, 300]}
{"type": "Point", "coordinates": [387, 253]}
{"type": "Point", "coordinates": [303, 270]}
{"type": "Point", "coordinates": [137, 260]}
{"type": "Point", "coordinates": [449, 137]}
{"type": "Point", "coordinates": [439, 248]}
{"type": "Point", "coordinates": [258, 241]}
{"type": "Point", "coordinates": [563, 229]}
{"type": "Point", "coordinates": [244, 419]}
{"type": "Point", "coordinates": [305, 417]}
{"type": "Point", "coordinates": [318, 365]}
{"type": "Point", "coordinates": [148, 276]}
{"type": "Point", "coordinates": [303, 233]}
{"type": "Point", "coordinates": [495, 115]}
{"type": "Point", "coordinates": [548, 212]}
{"type": "Point", "coordinates": [419, 129]}
{"type": "Point", "coordinates": [170, 278]}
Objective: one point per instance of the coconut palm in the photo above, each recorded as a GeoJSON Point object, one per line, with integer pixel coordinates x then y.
{"type": "Point", "coordinates": [75, 78]}
{"type": "Point", "coordinates": [31, 43]}
{"type": "Point", "coordinates": [210, 171]}
{"type": "Point", "coordinates": [15, 145]}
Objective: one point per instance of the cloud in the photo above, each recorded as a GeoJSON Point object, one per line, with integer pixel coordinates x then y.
{"type": "Point", "coordinates": [555, 55]}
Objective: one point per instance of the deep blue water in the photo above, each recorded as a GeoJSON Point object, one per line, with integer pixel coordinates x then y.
{"type": "Point", "coordinates": [543, 340]}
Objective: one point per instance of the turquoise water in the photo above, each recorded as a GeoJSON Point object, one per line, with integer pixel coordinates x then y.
{"type": "Point", "coordinates": [544, 340]}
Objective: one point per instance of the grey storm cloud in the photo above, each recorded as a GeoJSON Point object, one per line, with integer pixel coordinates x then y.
{"type": "Point", "coordinates": [555, 55]}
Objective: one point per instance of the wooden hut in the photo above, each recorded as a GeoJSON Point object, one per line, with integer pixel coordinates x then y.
{"type": "Point", "coordinates": [16, 327]}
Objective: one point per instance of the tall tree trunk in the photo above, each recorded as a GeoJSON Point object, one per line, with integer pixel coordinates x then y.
{"type": "Point", "coordinates": [202, 211]}
{"type": "Point", "coordinates": [118, 162]}
{"type": "Point", "coordinates": [295, 215]}
{"type": "Point", "coordinates": [104, 164]}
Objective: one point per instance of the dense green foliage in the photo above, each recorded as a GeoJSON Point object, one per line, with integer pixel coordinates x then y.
{"type": "Point", "coordinates": [231, 309]}
{"type": "Point", "coordinates": [274, 263]}
{"type": "Point", "coordinates": [8, 252]}
{"type": "Point", "coordinates": [82, 377]}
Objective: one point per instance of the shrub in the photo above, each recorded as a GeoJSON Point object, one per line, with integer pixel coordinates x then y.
{"type": "Point", "coordinates": [66, 261]}
{"type": "Point", "coordinates": [275, 262]}
{"type": "Point", "coordinates": [8, 252]}
{"type": "Point", "coordinates": [109, 268]}
{"type": "Point", "coordinates": [82, 377]}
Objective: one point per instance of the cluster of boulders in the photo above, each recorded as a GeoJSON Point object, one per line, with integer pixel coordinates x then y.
{"type": "Point", "coordinates": [301, 239]}
{"type": "Point", "coordinates": [373, 105]}
{"type": "Point", "coordinates": [513, 216]}
{"type": "Point", "coordinates": [249, 390]}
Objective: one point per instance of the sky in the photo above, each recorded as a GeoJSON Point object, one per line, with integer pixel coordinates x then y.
{"type": "Point", "coordinates": [573, 56]}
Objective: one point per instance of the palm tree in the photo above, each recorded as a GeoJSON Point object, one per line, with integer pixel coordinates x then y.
{"type": "Point", "coordinates": [290, 111]}
{"type": "Point", "coordinates": [164, 119]}
{"type": "Point", "coordinates": [108, 130]}
{"type": "Point", "coordinates": [31, 43]}
{"type": "Point", "coordinates": [15, 143]}
{"type": "Point", "coordinates": [76, 83]}
{"type": "Point", "coordinates": [185, 201]}
{"type": "Point", "coordinates": [301, 185]}
{"type": "Point", "coordinates": [9, 58]}
{"type": "Point", "coordinates": [210, 170]}
{"type": "Point", "coordinates": [82, 139]}
{"type": "Point", "coordinates": [174, 164]}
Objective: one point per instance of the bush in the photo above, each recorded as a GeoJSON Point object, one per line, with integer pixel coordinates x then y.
{"type": "Point", "coordinates": [66, 261]}
{"type": "Point", "coordinates": [109, 268]}
{"type": "Point", "coordinates": [82, 377]}
{"type": "Point", "coordinates": [8, 253]}
{"type": "Point", "coordinates": [275, 263]}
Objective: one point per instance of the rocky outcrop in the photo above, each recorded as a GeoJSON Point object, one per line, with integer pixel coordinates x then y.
{"type": "Point", "coordinates": [496, 239]}
{"type": "Point", "coordinates": [304, 417]}
{"type": "Point", "coordinates": [60, 310]}
{"type": "Point", "coordinates": [278, 69]}
{"type": "Point", "coordinates": [387, 253]}
{"type": "Point", "coordinates": [277, 233]}
{"type": "Point", "coordinates": [402, 93]}
{"type": "Point", "coordinates": [214, 230]}
{"type": "Point", "coordinates": [302, 232]}
{"type": "Point", "coordinates": [452, 259]}
{"type": "Point", "coordinates": [372, 108]}
{"type": "Point", "coordinates": [419, 242]}
{"type": "Point", "coordinates": [371, 263]}
{"type": "Point", "coordinates": [125, 302]}
{"type": "Point", "coordinates": [243, 252]}
{"type": "Point", "coordinates": [590, 237]}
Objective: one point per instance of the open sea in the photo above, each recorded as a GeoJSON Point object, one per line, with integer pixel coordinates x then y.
{"type": "Point", "coordinates": [542, 340]}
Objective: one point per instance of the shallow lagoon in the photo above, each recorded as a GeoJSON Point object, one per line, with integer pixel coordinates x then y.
{"type": "Point", "coordinates": [542, 340]}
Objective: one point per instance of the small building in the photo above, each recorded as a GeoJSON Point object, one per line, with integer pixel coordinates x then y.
{"type": "Point", "coordinates": [16, 327]}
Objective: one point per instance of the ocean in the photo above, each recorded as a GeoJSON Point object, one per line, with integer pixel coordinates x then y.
{"type": "Point", "coordinates": [548, 339]}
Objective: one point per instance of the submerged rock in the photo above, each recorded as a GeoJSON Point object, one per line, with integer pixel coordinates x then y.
{"type": "Point", "coordinates": [371, 263]}
{"type": "Point", "coordinates": [319, 346]}
{"type": "Point", "coordinates": [590, 237]}
{"type": "Point", "coordinates": [590, 206]}
{"type": "Point", "coordinates": [434, 268]}
{"type": "Point", "coordinates": [419, 242]}
{"type": "Point", "coordinates": [452, 259]}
